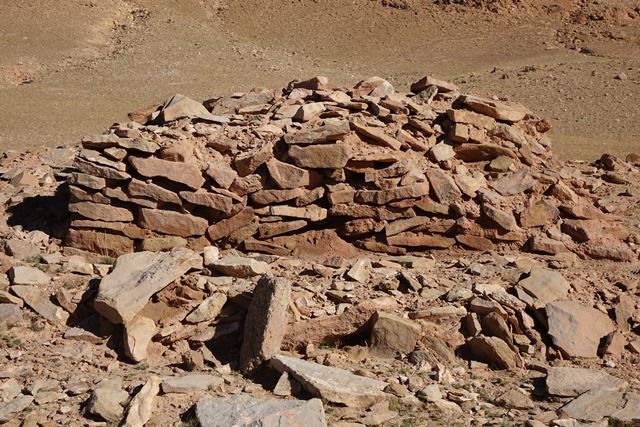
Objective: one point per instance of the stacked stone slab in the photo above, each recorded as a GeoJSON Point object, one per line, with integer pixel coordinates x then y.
{"type": "Point", "coordinates": [389, 171]}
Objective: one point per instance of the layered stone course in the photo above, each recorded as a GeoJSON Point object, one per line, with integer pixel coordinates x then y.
{"type": "Point", "coordinates": [389, 171]}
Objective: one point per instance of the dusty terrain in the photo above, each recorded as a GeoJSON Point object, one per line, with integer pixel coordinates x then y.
{"type": "Point", "coordinates": [67, 69]}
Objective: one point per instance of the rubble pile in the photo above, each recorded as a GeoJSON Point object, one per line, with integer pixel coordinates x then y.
{"type": "Point", "coordinates": [390, 172]}
{"type": "Point", "coordinates": [210, 316]}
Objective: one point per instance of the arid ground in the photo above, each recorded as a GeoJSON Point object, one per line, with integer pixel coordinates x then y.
{"type": "Point", "coordinates": [72, 68]}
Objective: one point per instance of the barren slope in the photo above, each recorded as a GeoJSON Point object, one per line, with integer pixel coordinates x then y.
{"type": "Point", "coordinates": [71, 69]}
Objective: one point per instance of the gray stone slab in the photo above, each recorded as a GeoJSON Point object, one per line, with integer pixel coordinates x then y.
{"type": "Point", "coordinates": [333, 384]}
{"type": "Point", "coordinates": [248, 411]}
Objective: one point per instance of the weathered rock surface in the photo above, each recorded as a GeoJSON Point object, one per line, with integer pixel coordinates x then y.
{"type": "Point", "coordinates": [141, 408]}
{"type": "Point", "coordinates": [266, 322]}
{"type": "Point", "coordinates": [136, 277]}
{"type": "Point", "coordinates": [236, 266]}
{"type": "Point", "coordinates": [565, 381]}
{"type": "Point", "coordinates": [575, 329]}
{"type": "Point", "coordinates": [391, 335]}
{"type": "Point", "coordinates": [245, 411]}
{"type": "Point", "coordinates": [333, 384]}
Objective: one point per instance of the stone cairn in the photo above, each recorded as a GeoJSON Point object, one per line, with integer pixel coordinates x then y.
{"type": "Point", "coordinates": [390, 172]}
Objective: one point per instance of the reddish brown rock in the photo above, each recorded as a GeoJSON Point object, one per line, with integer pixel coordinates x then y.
{"type": "Point", "coordinates": [88, 181]}
{"type": "Point", "coordinates": [575, 329]}
{"type": "Point", "coordinates": [101, 212]}
{"type": "Point", "coordinates": [286, 175]}
{"type": "Point", "coordinates": [401, 225]}
{"type": "Point", "coordinates": [314, 83]}
{"type": "Point", "coordinates": [173, 223]}
{"type": "Point", "coordinates": [500, 217]}
{"type": "Point", "coordinates": [180, 151]}
{"type": "Point", "coordinates": [420, 240]}
{"type": "Point", "coordinates": [139, 188]}
{"type": "Point", "coordinates": [374, 86]}
{"type": "Point", "coordinates": [227, 226]}
{"type": "Point", "coordinates": [183, 173]}
{"type": "Point", "coordinates": [222, 174]}
{"type": "Point", "coordinates": [210, 200]}
{"type": "Point", "coordinates": [496, 109]}
{"type": "Point", "coordinates": [265, 247]}
{"type": "Point", "coordinates": [470, 118]}
{"type": "Point", "coordinates": [248, 184]}
{"type": "Point", "coordinates": [545, 245]}
{"type": "Point", "coordinates": [475, 242]}
{"type": "Point", "coordinates": [325, 156]}
{"type": "Point", "coordinates": [539, 215]}
{"type": "Point", "coordinates": [514, 183]}
{"type": "Point", "coordinates": [443, 186]}
{"type": "Point", "coordinates": [247, 163]}
{"type": "Point", "coordinates": [359, 227]}
{"type": "Point", "coordinates": [130, 230]}
{"type": "Point", "coordinates": [268, 197]}
{"type": "Point", "coordinates": [589, 230]}
{"type": "Point", "coordinates": [459, 133]}
{"type": "Point", "coordinates": [329, 132]}
{"type": "Point", "coordinates": [481, 152]}
{"type": "Point", "coordinates": [586, 212]}
{"type": "Point", "coordinates": [271, 229]}
{"type": "Point", "coordinates": [93, 169]}
{"type": "Point", "coordinates": [99, 242]}
{"type": "Point", "coordinates": [363, 211]}
{"type": "Point", "coordinates": [377, 135]}
{"type": "Point", "coordinates": [118, 194]}
{"type": "Point", "coordinates": [427, 81]}
{"type": "Point", "coordinates": [383, 197]}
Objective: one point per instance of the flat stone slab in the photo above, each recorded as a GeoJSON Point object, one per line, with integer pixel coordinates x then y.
{"type": "Point", "coordinates": [136, 277]}
{"type": "Point", "coordinates": [29, 276]}
{"type": "Point", "coordinates": [237, 266]}
{"type": "Point", "coordinates": [248, 411]}
{"type": "Point", "coordinates": [597, 404]}
{"type": "Point", "coordinates": [189, 383]}
{"type": "Point", "coordinates": [575, 329]}
{"type": "Point", "coordinates": [39, 301]}
{"type": "Point", "coordinates": [9, 410]}
{"type": "Point", "coordinates": [333, 384]}
{"type": "Point", "coordinates": [565, 381]}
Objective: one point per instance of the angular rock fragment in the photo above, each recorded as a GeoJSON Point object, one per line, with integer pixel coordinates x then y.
{"type": "Point", "coordinates": [170, 222]}
{"type": "Point", "coordinates": [575, 329]}
{"type": "Point", "coordinates": [569, 382]}
{"type": "Point", "coordinates": [333, 384]}
{"type": "Point", "coordinates": [140, 410]}
{"type": "Point", "coordinates": [237, 266]}
{"type": "Point", "coordinates": [136, 277]}
{"type": "Point", "coordinates": [182, 173]}
{"type": "Point", "coordinates": [137, 336]}
{"type": "Point", "coordinates": [266, 322]}
{"type": "Point", "coordinates": [391, 335]}
{"type": "Point", "coordinates": [243, 410]}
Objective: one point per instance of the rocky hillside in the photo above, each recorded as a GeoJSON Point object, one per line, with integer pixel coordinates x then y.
{"type": "Point", "coordinates": [319, 256]}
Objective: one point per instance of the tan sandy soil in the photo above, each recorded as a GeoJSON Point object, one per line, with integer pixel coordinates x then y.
{"type": "Point", "coordinates": [71, 68]}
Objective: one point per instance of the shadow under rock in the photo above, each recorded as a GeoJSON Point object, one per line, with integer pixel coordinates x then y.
{"type": "Point", "coordinates": [49, 214]}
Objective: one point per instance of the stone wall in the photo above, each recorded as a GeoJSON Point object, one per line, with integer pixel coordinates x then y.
{"type": "Point", "coordinates": [390, 172]}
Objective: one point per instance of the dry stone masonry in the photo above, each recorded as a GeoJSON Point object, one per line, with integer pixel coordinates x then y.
{"type": "Point", "coordinates": [389, 171]}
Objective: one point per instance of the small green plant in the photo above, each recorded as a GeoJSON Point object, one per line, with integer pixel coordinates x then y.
{"type": "Point", "coordinates": [107, 260]}
{"type": "Point", "coordinates": [482, 394]}
{"type": "Point", "coordinates": [326, 346]}
{"type": "Point", "coordinates": [143, 366]}
{"type": "Point", "coordinates": [34, 259]}
{"type": "Point", "coordinates": [35, 326]}
{"type": "Point", "coordinates": [191, 423]}
{"type": "Point", "coordinates": [11, 341]}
